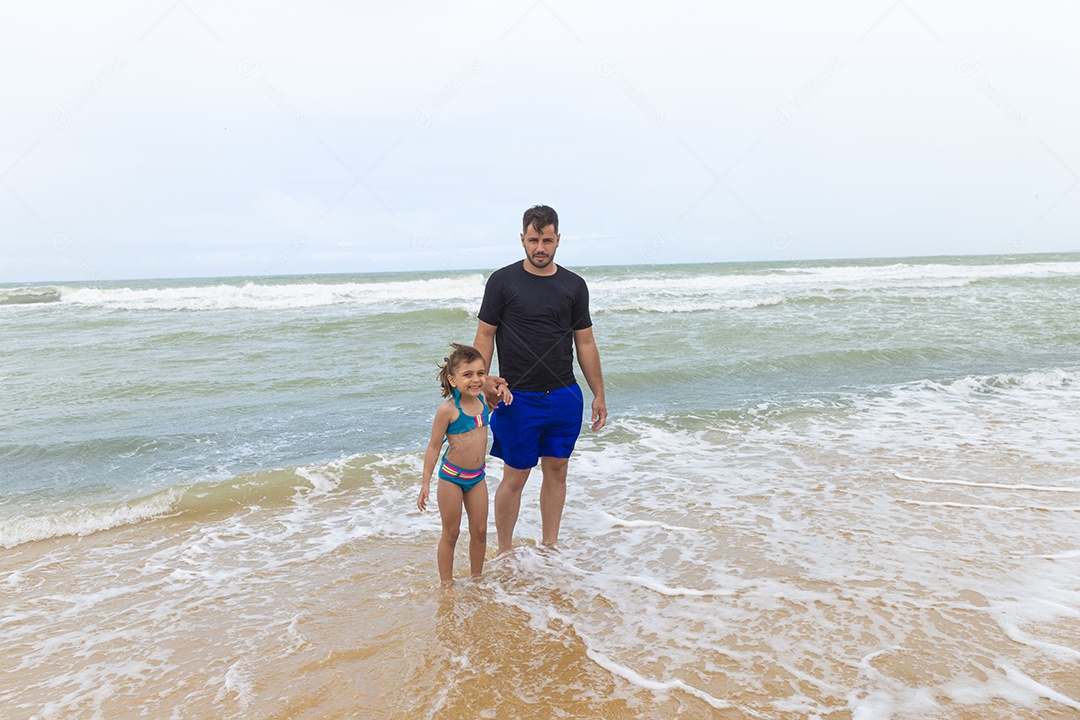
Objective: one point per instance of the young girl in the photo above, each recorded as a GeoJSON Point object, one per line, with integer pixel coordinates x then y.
{"type": "Point", "coordinates": [462, 422]}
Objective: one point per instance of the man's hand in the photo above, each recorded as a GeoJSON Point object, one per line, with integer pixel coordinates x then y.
{"type": "Point", "coordinates": [496, 390]}
{"type": "Point", "coordinates": [599, 413]}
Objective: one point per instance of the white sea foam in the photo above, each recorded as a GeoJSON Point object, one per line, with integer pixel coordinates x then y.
{"type": "Point", "coordinates": [1055, 650]}
{"type": "Point", "coordinates": [663, 589]}
{"type": "Point", "coordinates": [647, 583]}
{"type": "Point", "coordinates": [816, 533]}
{"type": "Point", "coordinates": [237, 682]}
{"type": "Point", "coordinates": [1001, 508]}
{"type": "Point", "coordinates": [703, 291]}
{"type": "Point", "coordinates": [687, 292]}
{"type": "Point", "coordinates": [1029, 689]}
{"type": "Point", "coordinates": [84, 521]}
{"type": "Point", "coordinates": [999, 486]}
{"type": "Point", "coordinates": [460, 291]}
{"type": "Point", "coordinates": [703, 555]}
{"type": "Point", "coordinates": [304, 484]}
{"type": "Point", "coordinates": [319, 479]}
{"type": "Point", "coordinates": [853, 275]}
{"type": "Point", "coordinates": [673, 304]}
{"type": "Point", "coordinates": [623, 522]}
{"type": "Point", "coordinates": [659, 685]}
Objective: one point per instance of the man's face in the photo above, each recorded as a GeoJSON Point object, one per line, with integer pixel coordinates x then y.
{"type": "Point", "coordinates": [540, 245]}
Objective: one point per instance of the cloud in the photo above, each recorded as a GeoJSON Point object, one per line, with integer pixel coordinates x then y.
{"type": "Point", "coordinates": [149, 131]}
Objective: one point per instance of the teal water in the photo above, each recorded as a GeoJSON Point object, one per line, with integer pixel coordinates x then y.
{"type": "Point", "coordinates": [827, 489]}
{"type": "Point", "coordinates": [125, 388]}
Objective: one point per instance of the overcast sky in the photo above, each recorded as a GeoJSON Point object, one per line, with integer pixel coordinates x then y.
{"type": "Point", "coordinates": [188, 138]}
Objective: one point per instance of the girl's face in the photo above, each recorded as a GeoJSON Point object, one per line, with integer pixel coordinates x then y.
{"type": "Point", "coordinates": [468, 377]}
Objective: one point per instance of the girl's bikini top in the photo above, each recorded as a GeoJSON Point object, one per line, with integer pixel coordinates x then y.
{"type": "Point", "coordinates": [464, 423]}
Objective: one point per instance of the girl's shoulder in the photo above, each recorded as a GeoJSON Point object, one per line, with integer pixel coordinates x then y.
{"type": "Point", "coordinates": [445, 414]}
{"type": "Point", "coordinates": [447, 407]}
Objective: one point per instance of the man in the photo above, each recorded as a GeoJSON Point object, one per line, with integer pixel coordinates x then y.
{"type": "Point", "coordinates": [537, 313]}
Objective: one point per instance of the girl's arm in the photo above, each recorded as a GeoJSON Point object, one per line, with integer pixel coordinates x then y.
{"type": "Point", "coordinates": [443, 416]}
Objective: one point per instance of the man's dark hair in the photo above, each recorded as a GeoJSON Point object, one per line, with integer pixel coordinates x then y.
{"type": "Point", "coordinates": [539, 217]}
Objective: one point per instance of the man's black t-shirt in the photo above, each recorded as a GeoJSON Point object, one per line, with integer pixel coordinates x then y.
{"type": "Point", "coordinates": [536, 316]}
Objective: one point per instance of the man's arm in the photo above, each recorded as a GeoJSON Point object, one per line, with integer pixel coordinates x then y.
{"type": "Point", "coordinates": [588, 356]}
{"type": "Point", "coordinates": [495, 388]}
{"type": "Point", "coordinates": [485, 341]}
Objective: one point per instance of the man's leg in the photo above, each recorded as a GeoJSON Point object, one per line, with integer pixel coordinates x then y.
{"type": "Point", "coordinates": [507, 504]}
{"type": "Point", "coordinates": [552, 497]}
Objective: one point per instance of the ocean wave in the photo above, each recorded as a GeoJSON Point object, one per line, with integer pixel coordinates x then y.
{"type": "Point", "coordinates": [927, 273]}
{"type": "Point", "coordinates": [199, 500]}
{"type": "Point", "coordinates": [904, 405]}
{"type": "Point", "coordinates": [1051, 379]}
{"type": "Point", "coordinates": [700, 288]}
{"type": "Point", "coordinates": [386, 296]}
{"type": "Point", "coordinates": [29, 295]}
{"type": "Point", "coordinates": [1007, 401]}
{"type": "Point", "coordinates": [85, 520]}
{"type": "Point", "coordinates": [687, 305]}
{"type": "Point", "coordinates": [706, 289]}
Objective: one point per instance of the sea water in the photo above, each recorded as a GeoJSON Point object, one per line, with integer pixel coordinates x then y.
{"type": "Point", "coordinates": [830, 489]}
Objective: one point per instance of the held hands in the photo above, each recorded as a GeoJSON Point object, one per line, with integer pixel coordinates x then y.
{"type": "Point", "coordinates": [421, 502]}
{"type": "Point", "coordinates": [496, 390]}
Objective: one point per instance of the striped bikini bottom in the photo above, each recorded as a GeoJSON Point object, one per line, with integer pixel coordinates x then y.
{"type": "Point", "coordinates": [461, 477]}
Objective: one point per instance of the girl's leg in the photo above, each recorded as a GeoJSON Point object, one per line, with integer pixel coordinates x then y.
{"type": "Point", "coordinates": [450, 497]}
{"type": "Point", "coordinates": [476, 505]}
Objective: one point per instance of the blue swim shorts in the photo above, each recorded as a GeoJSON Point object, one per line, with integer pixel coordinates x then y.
{"type": "Point", "coordinates": [536, 425]}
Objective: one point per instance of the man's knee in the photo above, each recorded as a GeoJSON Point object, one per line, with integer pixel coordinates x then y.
{"type": "Point", "coordinates": [514, 479]}
{"type": "Point", "coordinates": [554, 469]}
